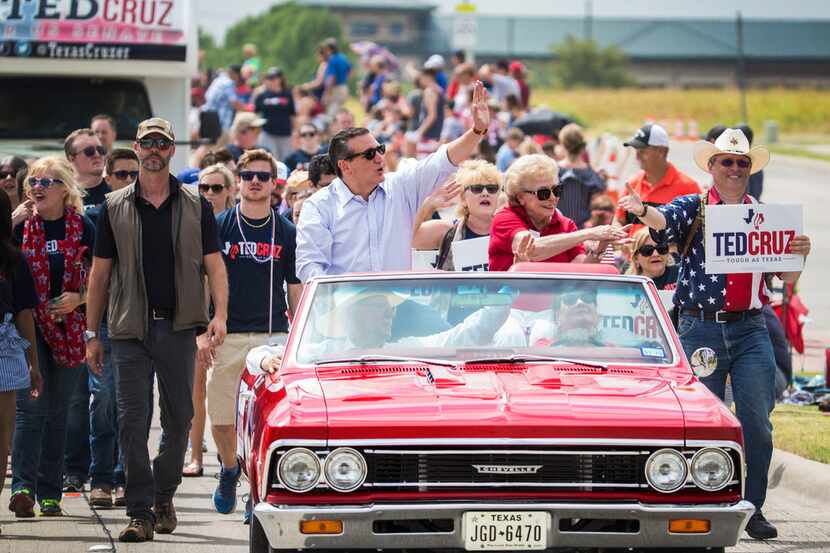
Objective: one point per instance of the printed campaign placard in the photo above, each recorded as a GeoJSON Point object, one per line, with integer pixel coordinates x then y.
{"type": "Point", "coordinates": [471, 255]}
{"type": "Point", "coordinates": [752, 238]}
{"type": "Point", "coordinates": [423, 259]}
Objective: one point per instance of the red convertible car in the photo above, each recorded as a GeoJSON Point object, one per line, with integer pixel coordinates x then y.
{"type": "Point", "coordinates": [527, 410]}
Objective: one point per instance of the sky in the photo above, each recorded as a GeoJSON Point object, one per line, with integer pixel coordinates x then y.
{"type": "Point", "coordinates": [215, 17]}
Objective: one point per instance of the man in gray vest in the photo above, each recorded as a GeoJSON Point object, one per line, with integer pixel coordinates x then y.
{"type": "Point", "coordinates": [155, 242]}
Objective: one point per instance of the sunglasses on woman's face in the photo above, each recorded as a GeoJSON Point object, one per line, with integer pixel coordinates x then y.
{"type": "Point", "coordinates": [215, 188]}
{"type": "Point", "coordinates": [45, 182]}
{"type": "Point", "coordinates": [648, 249]}
{"type": "Point", "coordinates": [90, 151]}
{"type": "Point", "coordinates": [571, 298]}
{"type": "Point", "coordinates": [608, 209]}
{"type": "Point", "coordinates": [369, 154]}
{"type": "Point", "coordinates": [479, 188]}
{"type": "Point", "coordinates": [308, 134]}
{"type": "Point", "coordinates": [124, 175]}
{"type": "Point", "coordinates": [742, 163]}
{"type": "Point", "coordinates": [545, 192]}
{"type": "Point", "coordinates": [4, 175]}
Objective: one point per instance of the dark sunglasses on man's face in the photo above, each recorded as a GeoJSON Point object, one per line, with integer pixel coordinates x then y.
{"type": "Point", "coordinates": [262, 176]}
{"type": "Point", "coordinates": [45, 182]}
{"type": "Point", "coordinates": [124, 174]}
{"type": "Point", "coordinates": [160, 143]}
{"type": "Point", "coordinates": [90, 151]}
{"type": "Point", "coordinates": [648, 249]}
{"type": "Point", "coordinates": [545, 192]}
{"type": "Point", "coordinates": [571, 298]}
{"type": "Point", "coordinates": [308, 134]}
{"type": "Point", "coordinates": [369, 154]}
{"type": "Point", "coordinates": [479, 188]}
{"type": "Point", "coordinates": [742, 163]}
{"type": "Point", "coordinates": [215, 188]}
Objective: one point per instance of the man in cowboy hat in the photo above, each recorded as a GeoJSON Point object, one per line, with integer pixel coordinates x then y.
{"type": "Point", "coordinates": [723, 312]}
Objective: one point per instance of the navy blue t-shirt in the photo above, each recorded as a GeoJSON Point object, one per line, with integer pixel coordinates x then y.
{"type": "Point", "coordinates": [277, 108]}
{"type": "Point", "coordinates": [55, 235]}
{"type": "Point", "coordinates": [248, 278]}
{"type": "Point", "coordinates": [95, 196]}
{"type": "Point", "coordinates": [17, 291]}
{"type": "Point", "coordinates": [300, 159]}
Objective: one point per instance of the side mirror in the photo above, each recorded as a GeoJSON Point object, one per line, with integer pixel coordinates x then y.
{"type": "Point", "coordinates": [704, 362]}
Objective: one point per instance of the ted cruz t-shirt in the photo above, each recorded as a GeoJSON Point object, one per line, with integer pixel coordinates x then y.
{"type": "Point", "coordinates": [55, 235]}
{"type": "Point", "coordinates": [246, 256]}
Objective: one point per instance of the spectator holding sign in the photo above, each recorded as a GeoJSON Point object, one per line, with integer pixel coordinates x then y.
{"type": "Point", "coordinates": [532, 221]}
{"type": "Point", "coordinates": [479, 184]}
{"type": "Point", "coordinates": [723, 311]}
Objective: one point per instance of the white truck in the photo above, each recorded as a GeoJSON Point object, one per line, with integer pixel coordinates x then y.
{"type": "Point", "coordinates": [63, 61]}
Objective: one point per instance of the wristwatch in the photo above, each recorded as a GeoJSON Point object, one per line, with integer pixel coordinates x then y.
{"type": "Point", "coordinates": [645, 210]}
{"type": "Point", "coordinates": [89, 335]}
{"type": "Point", "coordinates": [481, 132]}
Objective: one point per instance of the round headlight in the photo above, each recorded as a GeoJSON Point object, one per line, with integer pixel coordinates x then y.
{"type": "Point", "coordinates": [345, 469]}
{"type": "Point", "coordinates": [666, 470]}
{"type": "Point", "coordinates": [299, 469]}
{"type": "Point", "coordinates": [712, 469]}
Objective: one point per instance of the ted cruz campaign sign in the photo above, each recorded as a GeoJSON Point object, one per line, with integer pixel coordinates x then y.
{"type": "Point", "coordinates": [752, 238]}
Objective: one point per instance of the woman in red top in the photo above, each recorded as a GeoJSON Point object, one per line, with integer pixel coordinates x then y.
{"type": "Point", "coordinates": [530, 228]}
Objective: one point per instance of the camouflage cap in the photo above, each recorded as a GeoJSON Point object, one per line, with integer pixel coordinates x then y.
{"type": "Point", "coordinates": [155, 125]}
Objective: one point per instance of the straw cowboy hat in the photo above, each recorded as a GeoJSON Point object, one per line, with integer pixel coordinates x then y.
{"type": "Point", "coordinates": [334, 323]}
{"type": "Point", "coordinates": [731, 141]}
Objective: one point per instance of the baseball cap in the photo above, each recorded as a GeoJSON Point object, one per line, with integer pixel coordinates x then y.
{"type": "Point", "coordinates": [273, 73]}
{"type": "Point", "coordinates": [155, 125]}
{"type": "Point", "coordinates": [649, 135]}
{"type": "Point", "coordinates": [517, 67]}
{"type": "Point", "coordinates": [246, 119]}
{"type": "Point", "coordinates": [282, 172]}
{"type": "Point", "coordinates": [435, 61]}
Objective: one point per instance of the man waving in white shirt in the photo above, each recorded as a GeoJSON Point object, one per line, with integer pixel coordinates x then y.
{"type": "Point", "coordinates": [363, 221]}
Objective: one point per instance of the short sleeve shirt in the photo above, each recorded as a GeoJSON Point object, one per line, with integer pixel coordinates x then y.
{"type": "Point", "coordinates": [511, 220]}
{"type": "Point", "coordinates": [17, 291]}
{"type": "Point", "coordinates": [245, 250]}
{"type": "Point", "coordinates": [339, 67]}
{"type": "Point", "coordinates": [277, 108]}
{"type": "Point", "coordinates": [673, 184]}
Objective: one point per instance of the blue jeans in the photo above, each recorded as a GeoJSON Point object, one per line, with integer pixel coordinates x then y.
{"type": "Point", "coordinates": [40, 428]}
{"type": "Point", "coordinates": [77, 456]}
{"type": "Point", "coordinates": [106, 467]}
{"type": "Point", "coordinates": [745, 353]}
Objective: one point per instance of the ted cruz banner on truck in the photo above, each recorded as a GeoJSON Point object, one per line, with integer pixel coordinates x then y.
{"type": "Point", "coordinates": [752, 238]}
{"type": "Point", "coordinates": [94, 29]}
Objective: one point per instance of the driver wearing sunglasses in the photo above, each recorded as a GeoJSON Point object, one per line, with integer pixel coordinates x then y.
{"type": "Point", "coordinates": [577, 319]}
{"type": "Point", "coordinates": [531, 228]}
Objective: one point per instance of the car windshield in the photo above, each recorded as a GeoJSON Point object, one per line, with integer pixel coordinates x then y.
{"type": "Point", "coordinates": [483, 318]}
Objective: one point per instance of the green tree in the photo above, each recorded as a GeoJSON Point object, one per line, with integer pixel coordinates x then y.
{"type": "Point", "coordinates": [287, 36]}
{"type": "Point", "coordinates": [583, 63]}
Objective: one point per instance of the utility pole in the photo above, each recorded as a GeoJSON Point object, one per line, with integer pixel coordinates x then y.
{"type": "Point", "coordinates": [741, 66]}
{"type": "Point", "coordinates": [589, 20]}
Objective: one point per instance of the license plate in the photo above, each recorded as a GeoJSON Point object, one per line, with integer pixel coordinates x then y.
{"type": "Point", "coordinates": [506, 530]}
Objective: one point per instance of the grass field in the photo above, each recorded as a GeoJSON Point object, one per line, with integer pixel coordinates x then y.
{"type": "Point", "coordinates": [800, 114]}
{"type": "Point", "coordinates": [802, 430]}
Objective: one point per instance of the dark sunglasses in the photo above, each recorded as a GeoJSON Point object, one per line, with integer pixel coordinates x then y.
{"type": "Point", "coordinates": [648, 249]}
{"type": "Point", "coordinates": [479, 188]}
{"type": "Point", "coordinates": [369, 154]}
{"type": "Point", "coordinates": [45, 182]}
{"type": "Point", "coordinates": [311, 134]}
{"type": "Point", "coordinates": [160, 143]}
{"type": "Point", "coordinates": [545, 192]}
{"type": "Point", "coordinates": [90, 151]}
{"type": "Point", "coordinates": [742, 163]}
{"type": "Point", "coordinates": [215, 188]}
{"type": "Point", "coordinates": [124, 175]}
{"type": "Point", "coordinates": [262, 176]}
{"type": "Point", "coordinates": [571, 298]}
{"type": "Point", "coordinates": [4, 175]}
{"type": "Point", "coordinates": [609, 209]}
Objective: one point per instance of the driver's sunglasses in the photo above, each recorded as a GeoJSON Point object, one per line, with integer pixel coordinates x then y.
{"type": "Point", "coordinates": [742, 163]}
{"type": "Point", "coordinates": [571, 298]}
{"type": "Point", "coordinates": [90, 151]}
{"type": "Point", "coordinates": [479, 188]}
{"type": "Point", "coordinates": [261, 176]}
{"type": "Point", "coordinates": [160, 143]}
{"type": "Point", "coordinates": [648, 249]}
{"type": "Point", "coordinates": [45, 182]}
{"type": "Point", "coordinates": [545, 192]}
{"type": "Point", "coordinates": [124, 174]}
{"type": "Point", "coordinates": [369, 154]}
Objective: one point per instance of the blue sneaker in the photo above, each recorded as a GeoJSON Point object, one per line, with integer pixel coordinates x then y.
{"type": "Point", "coordinates": [224, 497]}
{"type": "Point", "coordinates": [249, 511]}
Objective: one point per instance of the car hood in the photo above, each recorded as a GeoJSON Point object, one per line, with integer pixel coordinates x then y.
{"type": "Point", "coordinates": [538, 401]}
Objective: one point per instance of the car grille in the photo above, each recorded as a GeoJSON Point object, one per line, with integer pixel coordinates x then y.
{"type": "Point", "coordinates": [536, 468]}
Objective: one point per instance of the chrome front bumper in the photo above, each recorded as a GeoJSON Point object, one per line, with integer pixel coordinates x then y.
{"type": "Point", "coordinates": [281, 524]}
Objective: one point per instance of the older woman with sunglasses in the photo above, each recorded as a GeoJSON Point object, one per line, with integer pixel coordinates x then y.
{"type": "Point", "coordinates": [531, 228]}
{"type": "Point", "coordinates": [653, 260]}
{"type": "Point", "coordinates": [56, 242]}
{"type": "Point", "coordinates": [216, 185]}
{"type": "Point", "coordinates": [479, 185]}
